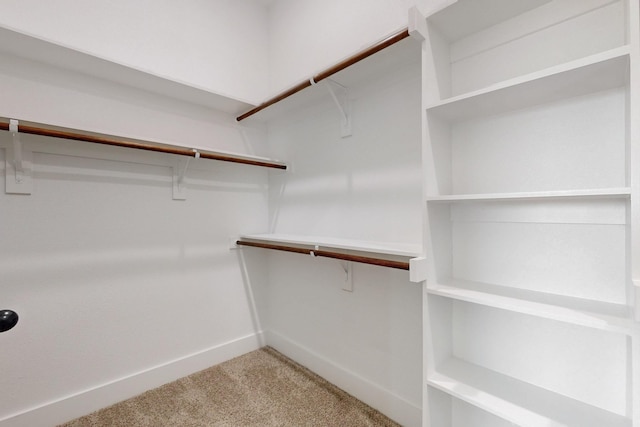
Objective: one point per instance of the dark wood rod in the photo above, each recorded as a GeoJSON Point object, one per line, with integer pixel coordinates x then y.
{"type": "Point", "coordinates": [275, 247]}
{"type": "Point", "coordinates": [391, 40]}
{"type": "Point", "coordinates": [297, 88]}
{"type": "Point", "coordinates": [364, 260]}
{"type": "Point", "coordinates": [107, 140]}
{"type": "Point", "coordinates": [328, 254]}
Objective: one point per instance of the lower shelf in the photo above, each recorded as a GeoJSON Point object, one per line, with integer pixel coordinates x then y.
{"type": "Point", "coordinates": [516, 401]}
{"type": "Point", "coordinates": [393, 256]}
{"type": "Point", "coordinates": [447, 410]}
{"type": "Point", "coordinates": [403, 250]}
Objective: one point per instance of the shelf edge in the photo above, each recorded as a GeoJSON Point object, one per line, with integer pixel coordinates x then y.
{"type": "Point", "coordinates": [547, 311]}
{"type": "Point", "coordinates": [538, 76]}
{"type": "Point", "coordinates": [617, 192]}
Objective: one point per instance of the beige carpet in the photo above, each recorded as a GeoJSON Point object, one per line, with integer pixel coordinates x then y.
{"type": "Point", "coordinates": [261, 388]}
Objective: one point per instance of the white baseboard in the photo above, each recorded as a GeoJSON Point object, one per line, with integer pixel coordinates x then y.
{"type": "Point", "coordinates": [87, 401]}
{"type": "Point", "coordinates": [393, 406]}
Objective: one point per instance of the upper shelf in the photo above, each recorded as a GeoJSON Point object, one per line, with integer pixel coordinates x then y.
{"type": "Point", "coordinates": [96, 138]}
{"type": "Point", "coordinates": [29, 47]}
{"type": "Point", "coordinates": [595, 73]}
{"type": "Point", "coordinates": [381, 58]}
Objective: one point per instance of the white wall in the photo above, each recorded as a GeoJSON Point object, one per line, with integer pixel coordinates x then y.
{"type": "Point", "coordinates": [307, 36]}
{"type": "Point", "coordinates": [366, 187]}
{"type": "Point", "coordinates": [119, 288]}
{"type": "Point", "coordinates": [220, 45]}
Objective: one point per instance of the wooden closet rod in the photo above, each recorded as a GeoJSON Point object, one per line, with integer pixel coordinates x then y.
{"type": "Point", "coordinates": [328, 254]}
{"type": "Point", "coordinates": [108, 140]}
{"type": "Point", "coordinates": [391, 40]}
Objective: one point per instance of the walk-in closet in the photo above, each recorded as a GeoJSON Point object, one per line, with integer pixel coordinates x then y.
{"type": "Point", "coordinates": [425, 209]}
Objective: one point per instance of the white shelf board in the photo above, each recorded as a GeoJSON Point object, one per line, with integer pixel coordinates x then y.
{"type": "Point", "coordinates": [18, 44]}
{"type": "Point", "coordinates": [516, 401]}
{"type": "Point", "coordinates": [591, 314]}
{"type": "Point", "coordinates": [395, 249]}
{"type": "Point", "coordinates": [466, 17]}
{"type": "Point", "coordinates": [597, 193]}
{"type": "Point", "coordinates": [592, 74]}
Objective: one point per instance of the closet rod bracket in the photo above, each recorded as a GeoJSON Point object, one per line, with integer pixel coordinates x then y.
{"type": "Point", "coordinates": [17, 150]}
{"type": "Point", "coordinates": [179, 173]}
{"type": "Point", "coordinates": [18, 164]}
{"type": "Point", "coordinates": [340, 96]}
{"type": "Point", "coordinates": [347, 285]}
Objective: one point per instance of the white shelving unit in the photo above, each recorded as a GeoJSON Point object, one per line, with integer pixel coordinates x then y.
{"type": "Point", "coordinates": [531, 199]}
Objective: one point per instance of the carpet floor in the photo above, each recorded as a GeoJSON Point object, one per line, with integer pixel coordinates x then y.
{"type": "Point", "coordinates": [261, 388]}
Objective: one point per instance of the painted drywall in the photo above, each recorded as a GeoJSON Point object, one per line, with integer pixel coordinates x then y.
{"type": "Point", "coordinates": [119, 287]}
{"type": "Point", "coordinates": [44, 94]}
{"type": "Point", "coordinates": [220, 45]}
{"type": "Point", "coordinates": [307, 36]}
{"type": "Point", "coordinates": [365, 187]}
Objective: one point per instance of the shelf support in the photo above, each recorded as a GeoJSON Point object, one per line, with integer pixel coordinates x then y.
{"type": "Point", "coordinates": [340, 96]}
{"type": "Point", "coordinates": [18, 164]}
{"type": "Point", "coordinates": [417, 24]}
{"type": "Point", "coordinates": [348, 278]}
{"type": "Point", "coordinates": [418, 269]}
{"type": "Point", "coordinates": [179, 172]}
{"type": "Point", "coordinates": [17, 150]}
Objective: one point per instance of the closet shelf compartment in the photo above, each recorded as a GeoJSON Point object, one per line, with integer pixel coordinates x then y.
{"type": "Point", "coordinates": [598, 193]}
{"type": "Point", "coordinates": [517, 401]}
{"type": "Point", "coordinates": [592, 74]}
{"type": "Point", "coordinates": [592, 314]}
{"type": "Point", "coordinates": [388, 255]}
{"type": "Point", "coordinates": [17, 44]}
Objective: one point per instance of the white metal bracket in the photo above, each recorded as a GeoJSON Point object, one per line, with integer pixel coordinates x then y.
{"type": "Point", "coordinates": [418, 269]}
{"type": "Point", "coordinates": [340, 96]}
{"type": "Point", "coordinates": [417, 24]}
{"type": "Point", "coordinates": [348, 278]}
{"type": "Point", "coordinates": [347, 266]}
{"type": "Point", "coordinates": [179, 173]}
{"type": "Point", "coordinates": [18, 164]}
